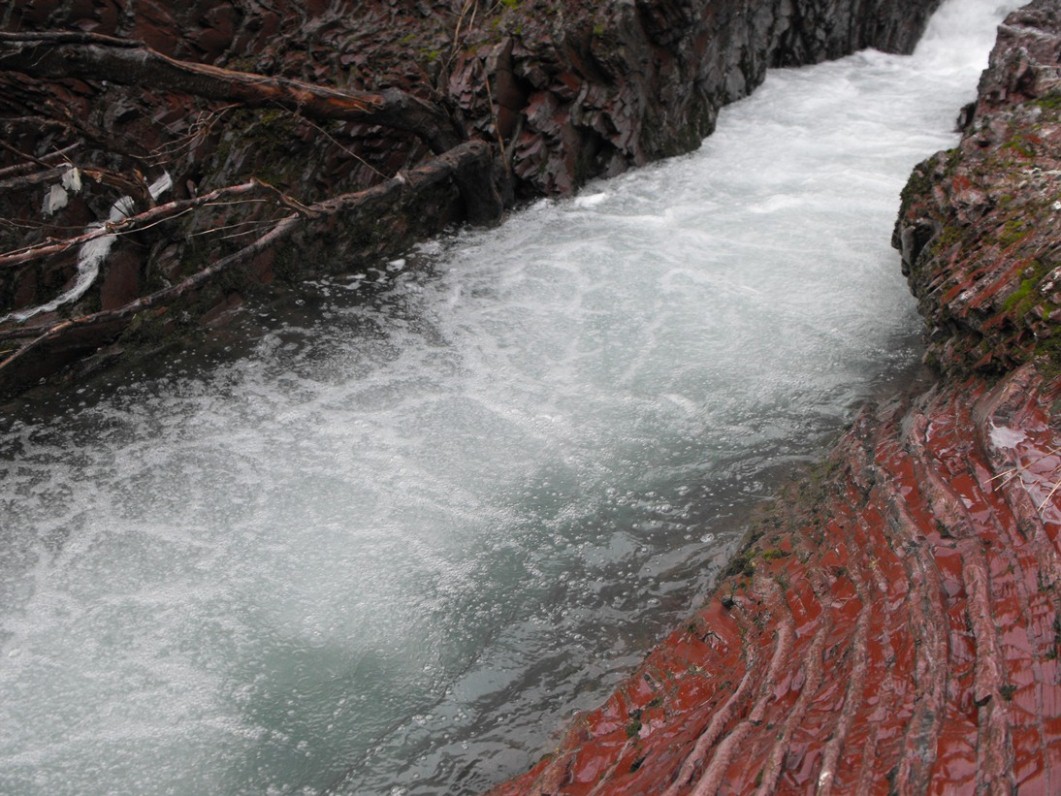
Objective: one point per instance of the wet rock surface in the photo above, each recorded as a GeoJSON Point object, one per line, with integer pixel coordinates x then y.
{"type": "Point", "coordinates": [560, 92]}
{"type": "Point", "coordinates": [895, 627]}
{"type": "Point", "coordinates": [978, 225]}
{"type": "Point", "coordinates": [895, 624]}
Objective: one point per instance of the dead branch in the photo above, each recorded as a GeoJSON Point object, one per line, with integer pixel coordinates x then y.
{"type": "Point", "coordinates": [134, 186]}
{"type": "Point", "coordinates": [59, 343]}
{"type": "Point", "coordinates": [146, 218]}
{"type": "Point", "coordinates": [91, 57]}
{"type": "Point", "coordinates": [48, 162]}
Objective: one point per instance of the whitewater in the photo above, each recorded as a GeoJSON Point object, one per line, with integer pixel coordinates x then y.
{"type": "Point", "coordinates": [434, 508]}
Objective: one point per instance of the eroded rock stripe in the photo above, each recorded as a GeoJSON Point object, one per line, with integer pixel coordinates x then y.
{"type": "Point", "coordinates": [927, 656]}
{"type": "Point", "coordinates": [896, 624]}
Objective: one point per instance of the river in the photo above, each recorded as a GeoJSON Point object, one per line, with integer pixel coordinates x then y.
{"type": "Point", "coordinates": [393, 545]}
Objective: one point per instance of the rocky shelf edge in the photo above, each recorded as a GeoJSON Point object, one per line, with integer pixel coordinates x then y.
{"type": "Point", "coordinates": [258, 144]}
{"type": "Point", "coordinates": [895, 624]}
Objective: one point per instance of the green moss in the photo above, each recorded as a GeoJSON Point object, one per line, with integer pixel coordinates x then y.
{"type": "Point", "coordinates": [1048, 356]}
{"type": "Point", "coordinates": [1021, 145]}
{"type": "Point", "coordinates": [1012, 232]}
{"type": "Point", "coordinates": [740, 565]}
{"type": "Point", "coordinates": [919, 183]}
{"type": "Point", "coordinates": [633, 728]}
{"type": "Point", "coordinates": [947, 237]}
{"type": "Point", "coordinates": [1025, 296]}
{"type": "Point", "coordinates": [773, 554]}
{"type": "Point", "coordinates": [1051, 102]}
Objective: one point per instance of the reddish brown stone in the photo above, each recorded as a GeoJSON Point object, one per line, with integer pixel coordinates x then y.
{"type": "Point", "coordinates": [912, 635]}
{"type": "Point", "coordinates": [902, 628]}
{"type": "Point", "coordinates": [121, 278]}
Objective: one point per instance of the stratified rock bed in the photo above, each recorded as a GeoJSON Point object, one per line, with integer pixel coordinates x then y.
{"type": "Point", "coordinates": [896, 624]}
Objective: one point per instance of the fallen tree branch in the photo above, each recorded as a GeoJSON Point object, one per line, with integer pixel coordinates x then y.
{"type": "Point", "coordinates": [47, 162]}
{"type": "Point", "coordinates": [68, 339]}
{"type": "Point", "coordinates": [151, 216]}
{"type": "Point", "coordinates": [92, 57]}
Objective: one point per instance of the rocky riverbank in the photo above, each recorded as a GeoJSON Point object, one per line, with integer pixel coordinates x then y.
{"type": "Point", "coordinates": [895, 624]}
{"type": "Point", "coordinates": [256, 144]}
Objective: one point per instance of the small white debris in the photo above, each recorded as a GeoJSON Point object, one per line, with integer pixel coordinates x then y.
{"type": "Point", "coordinates": [1057, 206]}
{"type": "Point", "coordinates": [93, 252]}
{"type": "Point", "coordinates": [55, 200]}
{"type": "Point", "coordinates": [72, 179]}
{"type": "Point", "coordinates": [161, 185]}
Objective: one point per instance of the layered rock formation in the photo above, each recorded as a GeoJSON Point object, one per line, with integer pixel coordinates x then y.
{"type": "Point", "coordinates": [542, 95]}
{"type": "Point", "coordinates": [576, 91]}
{"type": "Point", "coordinates": [895, 626]}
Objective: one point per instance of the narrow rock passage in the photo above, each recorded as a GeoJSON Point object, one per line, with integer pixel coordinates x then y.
{"type": "Point", "coordinates": [895, 624]}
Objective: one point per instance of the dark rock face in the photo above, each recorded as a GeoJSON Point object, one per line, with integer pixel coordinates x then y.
{"type": "Point", "coordinates": [575, 92]}
{"type": "Point", "coordinates": [564, 91]}
{"type": "Point", "coordinates": [895, 624]}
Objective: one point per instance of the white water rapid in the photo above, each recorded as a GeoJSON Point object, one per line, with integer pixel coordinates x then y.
{"type": "Point", "coordinates": [392, 547]}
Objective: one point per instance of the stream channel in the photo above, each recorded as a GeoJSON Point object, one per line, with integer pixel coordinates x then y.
{"type": "Point", "coordinates": [392, 546]}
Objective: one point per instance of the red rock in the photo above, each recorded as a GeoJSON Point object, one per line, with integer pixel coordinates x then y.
{"type": "Point", "coordinates": [121, 278]}
{"type": "Point", "coordinates": [916, 643]}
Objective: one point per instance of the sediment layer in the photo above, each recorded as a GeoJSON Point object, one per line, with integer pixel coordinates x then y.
{"type": "Point", "coordinates": [895, 626]}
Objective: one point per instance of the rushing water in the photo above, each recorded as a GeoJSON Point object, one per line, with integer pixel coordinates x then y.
{"type": "Point", "coordinates": [390, 549]}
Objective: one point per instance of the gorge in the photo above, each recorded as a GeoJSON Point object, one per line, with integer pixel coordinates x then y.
{"type": "Point", "coordinates": [389, 541]}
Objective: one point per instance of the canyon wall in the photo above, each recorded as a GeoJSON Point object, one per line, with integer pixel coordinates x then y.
{"type": "Point", "coordinates": [542, 94]}
{"type": "Point", "coordinates": [894, 626]}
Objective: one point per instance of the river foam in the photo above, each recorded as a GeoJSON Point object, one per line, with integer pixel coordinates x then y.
{"type": "Point", "coordinates": [395, 545]}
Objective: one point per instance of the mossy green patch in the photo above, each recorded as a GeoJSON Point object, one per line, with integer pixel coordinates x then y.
{"type": "Point", "coordinates": [947, 237]}
{"type": "Point", "coordinates": [1051, 102]}
{"type": "Point", "coordinates": [920, 181]}
{"type": "Point", "coordinates": [1012, 232]}
{"type": "Point", "coordinates": [1021, 145]}
{"type": "Point", "coordinates": [1017, 302]}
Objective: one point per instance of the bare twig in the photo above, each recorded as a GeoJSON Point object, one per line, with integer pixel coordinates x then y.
{"type": "Point", "coordinates": [48, 161]}
{"type": "Point", "coordinates": [90, 331]}
{"type": "Point", "coordinates": [133, 223]}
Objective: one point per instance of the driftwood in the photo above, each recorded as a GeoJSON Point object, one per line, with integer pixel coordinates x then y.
{"type": "Point", "coordinates": [151, 216]}
{"type": "Point", "coordinates": [57, 344]}
{"type": "Point", "coordinates": [88, 56]}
